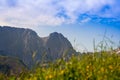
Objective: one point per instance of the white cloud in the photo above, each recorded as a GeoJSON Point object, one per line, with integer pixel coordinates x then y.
{"type": "Point", "coordinates": [44, 12]}
{"type": "Point", "coordinates": [85, 20]}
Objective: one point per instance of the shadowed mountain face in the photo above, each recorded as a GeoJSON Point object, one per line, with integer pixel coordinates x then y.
{"type": "Point", "coordinates": [11, 66]}
{"type": "Point", "coordinates": [26, 45]}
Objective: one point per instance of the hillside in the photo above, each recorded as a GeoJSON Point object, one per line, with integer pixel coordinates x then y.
{"type": "Point", "coordinates": [11, 66]}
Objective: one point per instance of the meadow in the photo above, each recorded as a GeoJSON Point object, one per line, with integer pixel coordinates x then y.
{"type": "Point", "coordinates": [90, 66]}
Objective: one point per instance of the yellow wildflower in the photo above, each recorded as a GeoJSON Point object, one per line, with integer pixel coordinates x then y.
{"type": "Point", "coordinates": [102, 69]}
{"type": "Point", "coordinates": [110, 67]}
{"type": "Point", "coordinates": [49, 77]}
{"type": "Point", "coordinates": [88, 67]}
{"type": "Point", "coordinates": [62, 72]}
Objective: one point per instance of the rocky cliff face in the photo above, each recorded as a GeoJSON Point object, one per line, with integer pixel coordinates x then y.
{"type": "Point", "coordinates": [26, 45]}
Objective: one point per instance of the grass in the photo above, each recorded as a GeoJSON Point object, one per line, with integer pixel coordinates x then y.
{"type": "Point", "coordinates": [95, 66]}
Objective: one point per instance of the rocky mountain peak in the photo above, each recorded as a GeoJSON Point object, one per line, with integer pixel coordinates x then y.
{"type": "Point", "coordinates": [55, 34]}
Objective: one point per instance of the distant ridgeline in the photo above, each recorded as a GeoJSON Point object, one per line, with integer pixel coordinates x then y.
{"type": "Point", "coordinates": [28, 47]}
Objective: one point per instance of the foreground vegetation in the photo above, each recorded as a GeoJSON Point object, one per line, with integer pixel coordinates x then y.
{"type": "Point", "coordinates": [93, 66]}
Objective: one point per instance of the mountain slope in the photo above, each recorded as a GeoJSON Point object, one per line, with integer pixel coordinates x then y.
{"type": "Point", "coordinates": [11, 66]}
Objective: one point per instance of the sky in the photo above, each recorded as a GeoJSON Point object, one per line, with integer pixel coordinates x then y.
{"type": "Point", "coordinates": [81, 21]}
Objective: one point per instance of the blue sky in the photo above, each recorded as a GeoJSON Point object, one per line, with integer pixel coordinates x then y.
{"type": "Point", "coordinates": [79, 20]}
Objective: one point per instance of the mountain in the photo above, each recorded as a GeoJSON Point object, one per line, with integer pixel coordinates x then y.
{"type": "Point", "coordinates": [26, 45]}
{"type": "Point", "coordinates": [56, 45]}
